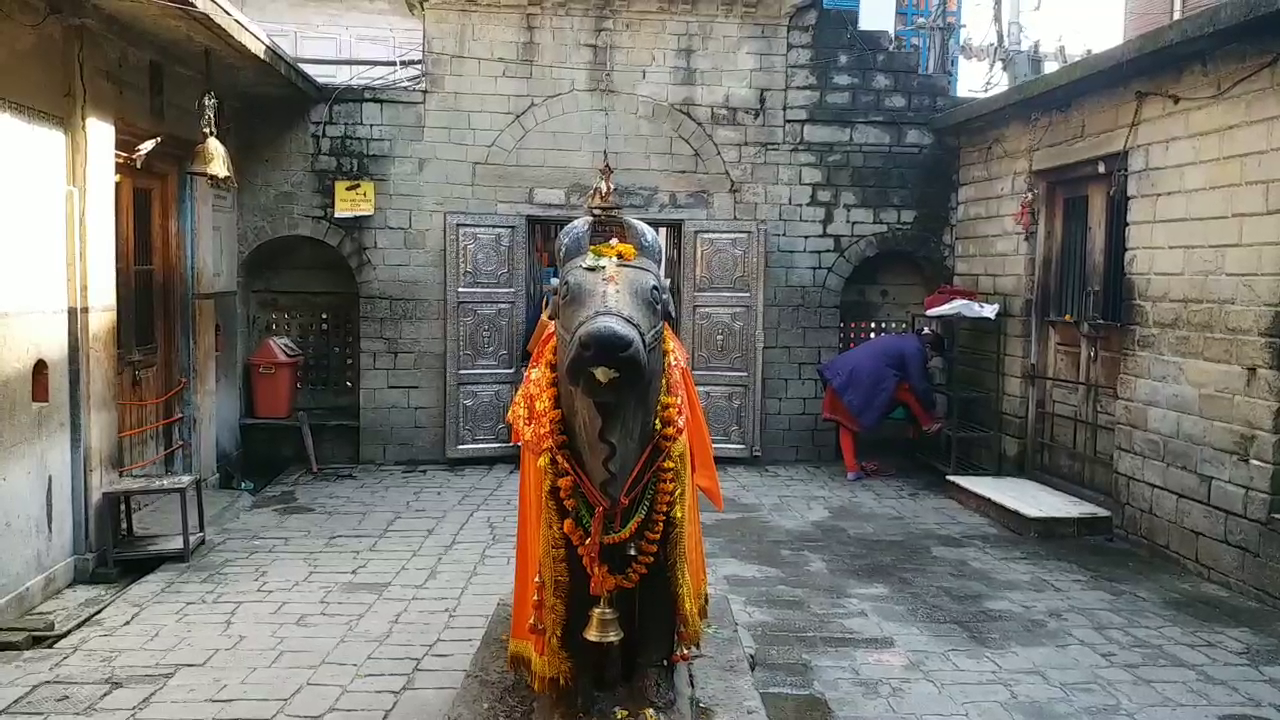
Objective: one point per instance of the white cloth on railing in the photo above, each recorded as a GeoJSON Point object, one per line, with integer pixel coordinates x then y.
{"type": "Point", "coordinates": [965, 308]}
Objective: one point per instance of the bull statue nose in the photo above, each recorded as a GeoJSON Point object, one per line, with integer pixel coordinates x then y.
{"type": "Point", "coordinates": [607, 355]}
{"type": "Point", "coordinates": [607, 343]}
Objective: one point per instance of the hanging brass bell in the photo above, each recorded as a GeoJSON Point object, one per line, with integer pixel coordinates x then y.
{"type": "Point", "coordinates": [602, 624]}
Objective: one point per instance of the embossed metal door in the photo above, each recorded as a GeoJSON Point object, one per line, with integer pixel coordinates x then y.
{"type": "Point", "coordinates": [721, 325]}
{"type": "Point", "coordinates": [486, 258]}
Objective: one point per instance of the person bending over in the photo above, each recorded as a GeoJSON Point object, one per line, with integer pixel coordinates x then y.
{"type": "Point", "coordinates": [868, 382]}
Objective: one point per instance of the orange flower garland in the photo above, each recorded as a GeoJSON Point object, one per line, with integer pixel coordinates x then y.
{"type": "Point", "coordinates": [625, 252]}
{"type": "Point", "coordinates": [667, 425]}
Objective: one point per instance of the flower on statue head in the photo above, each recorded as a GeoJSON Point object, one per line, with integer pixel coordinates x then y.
{"type": "Point", "coordinates": [615, 250]}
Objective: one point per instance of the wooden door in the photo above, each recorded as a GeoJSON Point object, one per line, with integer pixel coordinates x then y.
{"type": "Point", "coordinates": [722, 328]}
{"type": "Point", "coordinates": [1080, 346]}
{"type": "Point", "coordinates": [486, 260]}
{"type": "Point", "coordinates": [148, 321]}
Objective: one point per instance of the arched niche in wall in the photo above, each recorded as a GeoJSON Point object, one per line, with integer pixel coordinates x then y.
{"type": "Point", "coordinates": [40, 382]}
{"type": "Point", "coordinates": [304, 289]}
{"type": "Point", "coordinates": [880, 296]}
{"type": "Point", "coordinates": [880, 281]}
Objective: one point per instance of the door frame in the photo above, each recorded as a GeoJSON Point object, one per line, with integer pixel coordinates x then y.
{"type": "Point", "coordinates": [488, 390]}
{"type": "Point", "coordinates": [703, 242]}
{"type": "Point", "coordinates": [1092, 341]}
{"type": "Point", "coordinates": [162, 170]}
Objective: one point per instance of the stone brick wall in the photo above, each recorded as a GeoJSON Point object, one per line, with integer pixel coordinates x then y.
{"type": "Point", "coordinates": [1198, 392]}
{"type": "Point", "coordinates": [798, 122]}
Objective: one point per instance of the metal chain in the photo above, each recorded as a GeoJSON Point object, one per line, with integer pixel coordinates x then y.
{"type": "Point", "coordinates": [606, 83]}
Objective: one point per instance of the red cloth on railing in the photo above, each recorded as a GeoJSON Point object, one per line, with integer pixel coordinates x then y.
{"type": "Point", "coordinates": [946, 294]}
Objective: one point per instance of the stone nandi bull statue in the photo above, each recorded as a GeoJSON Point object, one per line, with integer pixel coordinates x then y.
{"type": "Point", "coordinates": [611, 587]}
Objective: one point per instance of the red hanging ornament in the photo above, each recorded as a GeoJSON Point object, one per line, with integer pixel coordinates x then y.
{"type": "Point", "coordinates": [1026, 215]}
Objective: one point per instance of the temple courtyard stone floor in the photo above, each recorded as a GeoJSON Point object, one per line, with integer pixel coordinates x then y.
{"type": "Point", "coordinates": [361, 594]}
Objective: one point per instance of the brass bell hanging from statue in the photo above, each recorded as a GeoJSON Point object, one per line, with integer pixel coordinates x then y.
{"type": "Point", "coordinates": [602, 624]}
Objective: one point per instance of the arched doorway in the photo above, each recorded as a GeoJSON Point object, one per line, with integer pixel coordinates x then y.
{"type": "Point", "coordinates": [880, 296]}
{"type": "Point", "coordinates": [304, 289]}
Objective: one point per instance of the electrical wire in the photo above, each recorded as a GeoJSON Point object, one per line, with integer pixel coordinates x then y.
{"type": "Point", "coordinates": [1136, 118]}
{"type": "Point", "coordinates": [48, 13]}
{"type": "Point", "coordinates": [435, 53]}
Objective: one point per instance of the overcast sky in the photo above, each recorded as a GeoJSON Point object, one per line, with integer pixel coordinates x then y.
{"type": "Point", "coordinates": [1079, 24]}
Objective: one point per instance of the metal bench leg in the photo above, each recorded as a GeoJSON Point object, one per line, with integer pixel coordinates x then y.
{"type": "Point", "coordinates": [186, 529]}
{"type": "Point", "coordinates": [113, 527]}
{"type": "Point", "coordinates": [200, 504]}
{"type": "Point", "coordinates": [128, 514]}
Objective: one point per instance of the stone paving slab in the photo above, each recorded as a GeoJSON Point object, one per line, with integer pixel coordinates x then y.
{"type": "Point", "coordinates": [357, 594]}
{"type": "Point", "coordinates": [362, 594]}
{"type": "Point", "coordinates": [885, 599]}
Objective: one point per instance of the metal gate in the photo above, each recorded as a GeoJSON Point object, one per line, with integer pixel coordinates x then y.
{"type": "Point", "coordinates": [722, 328]}
{"type": "Point", "coordinates": [486, 258]}
{"type": "Point", "coordinates": [1074, 403]}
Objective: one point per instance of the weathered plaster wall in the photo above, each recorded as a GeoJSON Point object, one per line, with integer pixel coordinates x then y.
{"type": "Point", "coordinates": [35, 438]}
{"type": "Point", "coordinates": [58, 121]}
{"type": "Point", "coordinates": [793, 121]}
{"type": "Point", "coordinates": [1197, 436]}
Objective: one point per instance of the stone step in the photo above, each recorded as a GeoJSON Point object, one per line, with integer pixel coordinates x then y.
{"type": "Point", "coordinates": [27, 624]}
{"type": "Point", "coordinates": [15, 640]}
{"type": "Point", "coordinates": [1028, 507]}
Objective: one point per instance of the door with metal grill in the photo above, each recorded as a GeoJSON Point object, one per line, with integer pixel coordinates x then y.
{"type": "Point", "coordinates": [1077, 357]}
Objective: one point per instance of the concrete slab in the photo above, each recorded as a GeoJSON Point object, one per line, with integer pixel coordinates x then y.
{"type": "Point", "coordinates": [73, 606]}
{"type": "Point", "coordinates": [723, 686]}
{"type": "Point", "coordinates": [1028, 507]}
{"type": "Point", "coordinates": [15, 640]}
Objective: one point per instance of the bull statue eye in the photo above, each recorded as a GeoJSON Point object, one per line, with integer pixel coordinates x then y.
{"type": "Point", "coordinates": [655, 294]}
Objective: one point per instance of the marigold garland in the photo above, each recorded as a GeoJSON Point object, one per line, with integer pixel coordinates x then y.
{"type": "Point", "coordinates": [658, 498]}
{"type": "Point", "coordinates": [537, 415]}
{"type": "Point", "coordinates": [625, 252]}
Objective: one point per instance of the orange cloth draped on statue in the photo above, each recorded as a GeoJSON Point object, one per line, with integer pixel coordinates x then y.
{"type": "Point", "coordinates": [542, 547]}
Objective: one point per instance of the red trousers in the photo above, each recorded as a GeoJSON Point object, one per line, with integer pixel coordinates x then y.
{"type": "Point", "coordinates": [835, 411]}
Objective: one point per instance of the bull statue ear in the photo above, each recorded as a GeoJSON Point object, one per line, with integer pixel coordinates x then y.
{"type": "Point", "coordinates": [668, 302]}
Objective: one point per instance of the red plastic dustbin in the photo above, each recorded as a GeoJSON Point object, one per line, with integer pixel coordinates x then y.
{"type": "Point", "coordinates": [273, 377]}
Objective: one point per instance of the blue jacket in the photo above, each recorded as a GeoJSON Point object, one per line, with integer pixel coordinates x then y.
{"type": "Point", "coordinates": [865, 377]}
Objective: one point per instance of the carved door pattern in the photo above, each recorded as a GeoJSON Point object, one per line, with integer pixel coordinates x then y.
{"type": "Point", "coordinates": [486, 258]}
{"type": "Point", "coordinates": [721, 327]}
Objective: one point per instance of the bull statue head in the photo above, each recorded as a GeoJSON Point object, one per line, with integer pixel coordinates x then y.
{"type": "Point", "coordinates": [610, 310]}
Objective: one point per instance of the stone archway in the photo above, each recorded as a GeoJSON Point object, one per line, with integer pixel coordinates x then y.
{"type": "Point", "coordinates": [927, 251]}
{"type": "Point", "coordinates": [679, 123]}
{"type": "Point", "coordinates": [303, 288]}
{"type": "Point", "coordinates": [346, 243]}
